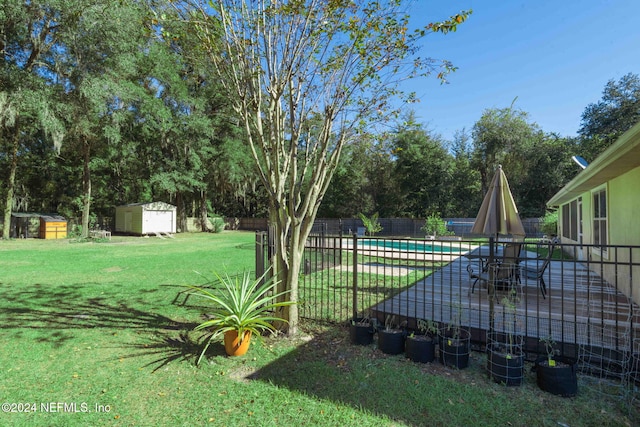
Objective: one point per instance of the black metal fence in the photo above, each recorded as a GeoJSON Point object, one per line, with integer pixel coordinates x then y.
{"type": "Point", "coordinates": [587, 310]}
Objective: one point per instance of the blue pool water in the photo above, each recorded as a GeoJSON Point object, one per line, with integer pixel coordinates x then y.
{"type": "Point", "coordinates": [406, 245]}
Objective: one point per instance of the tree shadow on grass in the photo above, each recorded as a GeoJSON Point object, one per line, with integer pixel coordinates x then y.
{"type": "Point", "coordinates": [166, 348]}
{"type": "Point", "coordinates": [57, 311]}
{"type": "Point", "coordinates": [329, 367]}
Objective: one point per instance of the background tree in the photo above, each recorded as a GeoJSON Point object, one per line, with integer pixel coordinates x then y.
{"type": "Point", "coordinates": [498, 138]}
{"type": "Point", "coordinates": [349, 191]}
{"type": "Point", "coordinates": [423, 167]}
{"type": "Point", "coordinates": [382, 183]}
{"type": "Point", "coordinates": [466, 194]}
{"type": "Point", "coordinates": [27, 35]}
{"type": "Point", "coordinates": [93, 64]}
{"type": "Point", "coordinates": [547, 168]}
{"type": "Point", "coordinates": [537, 164]}
{"type": "Point", "coordinates": [173, 124]}
{"type": "Point", "coordinates": [287, 63]}
{"type": "Point", "coordinates": [604, 121]}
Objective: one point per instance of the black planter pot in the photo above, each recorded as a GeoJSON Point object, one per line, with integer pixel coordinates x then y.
{"type": "Point", "coordinates": [561, 380]}
{"type": "Point", "coordinates": [420, 348]}
{"type": "Point", "coordinates": [391, 341]}
{"type": "Point", "coordinates": [360, 332]}
{"type": "Point", "coordinates": [454, 351]}
{"type": "Point", "coordinates": [505, 368]}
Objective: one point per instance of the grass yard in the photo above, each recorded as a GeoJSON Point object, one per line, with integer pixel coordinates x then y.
{"type": "Point", "coordinates": [327, 293]}
{"type": "Point", "coordinates": [98, 334]}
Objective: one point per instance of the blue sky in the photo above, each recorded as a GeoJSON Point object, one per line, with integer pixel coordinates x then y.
{"type": "Point", "coordinates": [555, 56]}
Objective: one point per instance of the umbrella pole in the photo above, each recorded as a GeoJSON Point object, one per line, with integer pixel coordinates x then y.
{"type": "Point", "coordinates": [491, 285]}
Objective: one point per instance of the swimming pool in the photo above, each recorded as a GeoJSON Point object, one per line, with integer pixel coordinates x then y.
{"type": "Point", "coordinates": [414, 246]}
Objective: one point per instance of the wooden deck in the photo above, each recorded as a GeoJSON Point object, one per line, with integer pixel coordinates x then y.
{"type": "Point", "coordinates": [580, 309]}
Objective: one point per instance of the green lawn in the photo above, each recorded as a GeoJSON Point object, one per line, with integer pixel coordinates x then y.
{"type": "Point", "coordinates": [100, 333]}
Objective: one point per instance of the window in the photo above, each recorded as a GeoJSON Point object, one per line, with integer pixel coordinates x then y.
{"type": "Point", "coordinates": [570, 220]}
{"type": "Point", "coordinates": [600, 237]}
{"type": "Point", "coordinates": [566, 221]}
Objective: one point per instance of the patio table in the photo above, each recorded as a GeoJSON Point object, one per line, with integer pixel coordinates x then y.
{"type": "Point", "coordinates": [483, 252]}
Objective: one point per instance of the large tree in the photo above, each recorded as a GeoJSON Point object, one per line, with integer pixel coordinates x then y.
{"type": "Point", "coordinates": [93, 63]}
{"type": "Point", "coordinates": [498, 138]}
{"type": "Point", "coordinates": [537, 164]}
{"type": "Point", "coordinates": [350, 190]}
{"type": "Point", "coordinates": [466, 195]}
{"type": "Point", "coordinates": [287, 63]}
{"type": "Point", "coordinates": [547, 168]}
{"type": "Point", "coordinates": [604, 121]}
{"type": "Point", "coordinates": [28, 31]}
{"type": "Point", "coordinates": [424, 169]}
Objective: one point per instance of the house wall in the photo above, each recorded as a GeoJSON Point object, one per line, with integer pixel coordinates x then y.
{"type": "Point", "coordinates": [623, 212]}
{"type": "Point", "coordinates": [624, 229]}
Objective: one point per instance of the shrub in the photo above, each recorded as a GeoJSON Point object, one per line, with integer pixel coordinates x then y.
{"type": "Point", "coordinates": [371, 224]}
{"type": "Point", "coordinates": [218, 224]}
{"type": "Point", "coordinates": [435, 226]}
{"type": "Point", "coordinates": [549, 224]}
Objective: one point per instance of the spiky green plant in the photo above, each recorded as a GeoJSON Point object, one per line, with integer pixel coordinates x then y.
{"type": "Point", "coordinates": [371, 224]}
{"type": "Point", "coordinates": [243, 304]}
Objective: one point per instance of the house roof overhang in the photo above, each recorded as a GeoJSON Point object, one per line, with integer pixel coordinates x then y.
{"type": "Point", "coordinates": [621, 157]}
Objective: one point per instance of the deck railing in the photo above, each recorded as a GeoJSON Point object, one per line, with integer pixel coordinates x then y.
{"type": "Point", "coordinates": [588, 311]}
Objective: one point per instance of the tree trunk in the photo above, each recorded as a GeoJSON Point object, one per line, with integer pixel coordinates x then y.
{"type": "Point", "coordinates": [203, 211]}
{"type": "Point", "coordinates": [86, 188]}
{"type": "Point", "coordinates": [295, 262]}
{"type": "Point", "coordinates": [11, 182]}
{"type": "Point", "coordinates": [181, 213]}
{"type": "Point", "coordinates": [287, 264]}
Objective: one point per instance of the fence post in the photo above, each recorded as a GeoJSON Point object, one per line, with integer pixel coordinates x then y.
{"type": "Point", "coordinates": [355, 275]}
{"type": "Point", "coordinates": [340, 240]}
{"type": "Point", "coordinates": [260, 267]}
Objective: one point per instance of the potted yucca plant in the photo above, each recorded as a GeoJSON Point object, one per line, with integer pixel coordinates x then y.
{"type": "Point", "coordinates": [243, 307]}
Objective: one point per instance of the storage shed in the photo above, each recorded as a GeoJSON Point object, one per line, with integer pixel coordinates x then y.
{"type": "Point", "coordinates": [53, 227]}
{"type": "Point", "coordinates": [146, 218]}
{"type": "Point", "coordinates": [24, 225]}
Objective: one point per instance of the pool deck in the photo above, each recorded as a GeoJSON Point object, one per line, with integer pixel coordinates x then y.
{"type": "Point", "coordinates": [580, 307]}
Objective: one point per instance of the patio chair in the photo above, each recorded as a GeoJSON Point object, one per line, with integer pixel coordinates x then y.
{"type": "Point", "coordinates": [536, 272]}
{"type": "Point", "coordinates": [511, 255]}
{"type": "Point", "coordinates": [506, 271]}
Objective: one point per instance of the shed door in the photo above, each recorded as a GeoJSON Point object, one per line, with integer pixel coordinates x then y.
{"type": "Point", "coordinates": [128, 222]}
{"type": "Point", "coordinates": [159, 221]}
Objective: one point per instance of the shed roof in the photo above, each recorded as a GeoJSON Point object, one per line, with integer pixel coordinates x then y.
{"type": "Point", "coordinates": [35, 215]}
{"type": "Point", "coordinates": [52, 218]}
{"type": "Point", "coordinates": [151, 205]}
{"type": "Point", "coordinates": [25, 215]}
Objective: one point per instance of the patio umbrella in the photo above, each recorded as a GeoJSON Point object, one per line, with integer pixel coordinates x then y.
{"type": "Point", "coordinates": [498, 215]}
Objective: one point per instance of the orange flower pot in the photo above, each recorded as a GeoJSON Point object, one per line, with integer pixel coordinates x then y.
{"type": "Point", "coordinates": [232, 344]}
